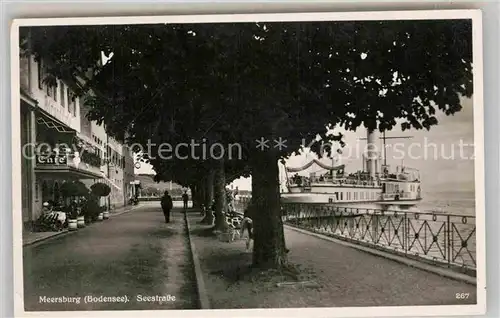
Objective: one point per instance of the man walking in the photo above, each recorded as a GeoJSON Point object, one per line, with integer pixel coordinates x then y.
{"type": "Point", "coordinates": [185, 198]}
{"type": "Point", "coordinates": [166, 206]}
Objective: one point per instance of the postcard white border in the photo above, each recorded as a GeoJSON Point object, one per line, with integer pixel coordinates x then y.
{"type": "Point", "coordinates": [474, 14]}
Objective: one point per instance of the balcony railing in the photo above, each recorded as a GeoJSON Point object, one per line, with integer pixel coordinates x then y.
{"type": "Point", "coordinates": [343, 182]}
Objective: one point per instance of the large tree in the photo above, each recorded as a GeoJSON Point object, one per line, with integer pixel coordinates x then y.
{"type": "Point", "coordinates": [238, 83]}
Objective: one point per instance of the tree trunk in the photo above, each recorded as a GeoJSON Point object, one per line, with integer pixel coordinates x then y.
{"type": "Point", "coordinates": [200, 194]}
{"type": "Point", "coordinates": [269, 240]}
{"type": "Point", "coordinates": [195, 195]}
{"type": "Point", "coordinates": [209, 197]}
{"type": "Point", "coordinates": [220, 196]}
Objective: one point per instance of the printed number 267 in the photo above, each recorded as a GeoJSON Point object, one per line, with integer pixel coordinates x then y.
{"type": "Point", "coordinates": [462, 295]}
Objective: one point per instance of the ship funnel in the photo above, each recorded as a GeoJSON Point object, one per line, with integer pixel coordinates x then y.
{"type": "Point", "coordinates": [372, 155]}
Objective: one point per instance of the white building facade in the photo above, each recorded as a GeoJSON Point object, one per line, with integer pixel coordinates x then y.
{"type": "Point", "coordinates": [53, 118]}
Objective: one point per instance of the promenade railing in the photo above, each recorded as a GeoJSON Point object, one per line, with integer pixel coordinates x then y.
{"type": "Point", "coordinates": [440, 239]}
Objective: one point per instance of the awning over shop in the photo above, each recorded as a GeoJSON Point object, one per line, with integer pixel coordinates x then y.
{"type": "Point", "coordinates": [65, 172]}
{"type": "Point", "coordinates": [45, 119]}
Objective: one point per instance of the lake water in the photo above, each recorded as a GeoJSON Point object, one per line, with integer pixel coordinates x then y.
{"type": "Point", "coordinates": [449, 202]}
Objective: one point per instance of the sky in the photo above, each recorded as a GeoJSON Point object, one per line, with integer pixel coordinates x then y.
{"type": "Point", "coordinates": [435, 153]}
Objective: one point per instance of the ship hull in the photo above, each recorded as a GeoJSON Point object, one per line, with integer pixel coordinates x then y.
{"type": "Point", "coordinates": [324, 199]}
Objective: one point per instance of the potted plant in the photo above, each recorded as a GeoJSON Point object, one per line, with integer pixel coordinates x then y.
{"type": "Point", "coordinates": [80, 221]}
{"type": "Point", "coordinates": [100, 216]}
{"type": "Point", "coordinates": [71, 211]}
{"type": "Point", "coordinates": [101, 190]}
{"type": "Point", "coordinates": [72, 192]}
{"type": "Point", "coordinates": [91, 209]}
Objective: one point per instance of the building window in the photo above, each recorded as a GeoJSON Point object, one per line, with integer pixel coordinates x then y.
{"type": "Point", "coordinates": [71, 102]}
{"type": "Point", "coordinates": [52, 90]}
{"type": "Point", "coordinates": [55, 90]}
{"type": "Point", "coordinates": [70, 98]}
{"type": "Point", "coordinates": [71, 106]}
{"type": "Point", "coordinates": [62, 91]}
{"type": "Point", "coordinates": [40, 74]}
{"type": "Point", "coordinates": [75, 104]}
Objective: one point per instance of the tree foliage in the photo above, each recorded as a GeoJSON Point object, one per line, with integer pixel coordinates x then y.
{"type": "Point", "coordinates": [100, 189]}
{"type": "Point", "coordinates": [291, 79]}
{"type": "Point", "coordinates": [235, 83]}
{"type": "Point", "coordinates": [73, 189]}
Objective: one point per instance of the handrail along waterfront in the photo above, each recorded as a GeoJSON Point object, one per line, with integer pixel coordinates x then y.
{"type": "Point", "coordinates": [442, 239]}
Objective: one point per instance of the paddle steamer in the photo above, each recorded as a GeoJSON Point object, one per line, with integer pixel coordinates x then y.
{"type": "Point", "coordinates": [375, 186]}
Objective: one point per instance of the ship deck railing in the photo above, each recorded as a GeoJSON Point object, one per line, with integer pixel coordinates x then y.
{"type": "Point", "coordinates": [307, 182]}
{"type": "Point", "coordinates": [438, 238]}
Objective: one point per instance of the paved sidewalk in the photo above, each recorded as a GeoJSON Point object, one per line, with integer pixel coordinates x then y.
{"type": "Point", "coordinates": [135, 255]}
{"type": "Point", "coordinates": [357, 278]}
{"type": "Point", "coordinates": [344, 276]}
{"type": "Point", "coordinates": [35, 237]}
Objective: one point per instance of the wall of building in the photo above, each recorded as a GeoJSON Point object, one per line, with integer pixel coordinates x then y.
{"type": "Point", "coordinates": [57, 101]}
{"type": "Point", "coordinates": [128, 174]}
{"type": "Point", "coordinates": [85, 124]}
{"type": "Point", "coordinates": [117, 165]}
{"type": "Point", "coordinates": [25, 167]}
{"type": "Point", "coordinates": [113, 154]}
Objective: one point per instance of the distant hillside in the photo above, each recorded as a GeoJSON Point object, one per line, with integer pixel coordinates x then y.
{"type": "Point", "coordinates": [147, 181]}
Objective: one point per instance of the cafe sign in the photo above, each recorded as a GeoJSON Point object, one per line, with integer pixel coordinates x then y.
{"type": "Point", "coordinates": [53, 159]}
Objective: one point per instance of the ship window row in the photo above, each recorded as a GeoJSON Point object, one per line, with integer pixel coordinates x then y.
{"type": "Point", "coordinates": [356, 196]}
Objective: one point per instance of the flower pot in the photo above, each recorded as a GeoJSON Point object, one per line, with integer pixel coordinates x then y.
{"type": "Point", "coordinates": [81, 221]}
{"type": "Point", "coordinates": [72, 224]}
{"type": "Point", "coordinates": [105, 215]}
{"type": "Point", "coordinates": [225, 237]}
{"type": "Point", "coordinates": [100, 217]}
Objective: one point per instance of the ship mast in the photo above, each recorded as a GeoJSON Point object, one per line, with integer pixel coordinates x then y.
{"type": "Point", "coordinates": [385, 149]}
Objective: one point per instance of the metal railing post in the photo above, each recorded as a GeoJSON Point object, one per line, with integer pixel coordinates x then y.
{"type": "Point", "coordinates": [375, 224]}
{"type": "Point", "coordinates": [448, 239]}
{"type": "Point", "coordinates": [405, 233]}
